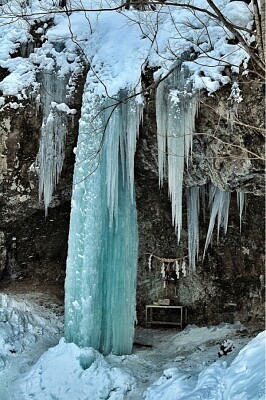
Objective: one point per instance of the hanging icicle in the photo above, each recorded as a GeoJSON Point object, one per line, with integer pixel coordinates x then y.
{"type": "Point", "coordinates": [219, 202]}
{"type": "Point", "coordinates": [50, 158]}
{"type": "Point", "coordinates": [240, 202]}
{"type": "Point", "coordinates": [176, 108]}
{"type": "Point", "coordinates": [193, 224]}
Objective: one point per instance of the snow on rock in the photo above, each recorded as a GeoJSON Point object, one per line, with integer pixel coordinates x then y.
{"type": "Point", "coordinates": [66, 372]}
{"type": "Point", "coordinates": [118, 45]}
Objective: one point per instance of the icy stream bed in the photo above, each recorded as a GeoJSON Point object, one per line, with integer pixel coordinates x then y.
{"type": "Point", "coordinates": [36, 362]}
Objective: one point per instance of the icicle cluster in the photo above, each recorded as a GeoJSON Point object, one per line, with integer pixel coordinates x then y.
{"type": "Point", "coordinates": [103, 238]}
{"type": "Point", "coordinates": [176, 108]}
{"type": "Point", "coordinates": [219, 202]}
{"type": "Point", "coordinates": [51, 153]}
{"type": "Point", "coordinates": [121, 125]}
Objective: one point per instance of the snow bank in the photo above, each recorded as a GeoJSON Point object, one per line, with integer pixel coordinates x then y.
{"type": "Point", "coordinates": [21, 324]}
{"type": "Point", "coordinates": [66, 372]}
{"type": "Point", "coordinates": [28, 327]}
{"type": "Point", "coordinates": [244, 379]}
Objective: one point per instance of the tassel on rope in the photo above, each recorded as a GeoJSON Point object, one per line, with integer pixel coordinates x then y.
{"type": "Point", "coordinates": [184, 268]}
{"type": "Point", "coordinates": [177, 269]}
{"type": "Point", "coordinates": [149, 263]}
{"type": "Point", "coordinates": [163, 270]}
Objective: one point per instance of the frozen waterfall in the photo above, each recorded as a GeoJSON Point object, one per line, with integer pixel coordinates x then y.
{"type": "Point", "coordinates": [103, 239]}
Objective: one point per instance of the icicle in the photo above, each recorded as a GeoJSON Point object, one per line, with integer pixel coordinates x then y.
{"type": "Point", "coordinates": [176, 107]}
{"type": "Point", "coordinates": [219, 202]}
{"type": "Point", "coordinates": [184, 268]}
{"type": "Point", "coordinates": [149, 262]}
{"type": "Point", "coordinates": [240, 203]}
{"type": "Point", "coordinates": [193, 224]}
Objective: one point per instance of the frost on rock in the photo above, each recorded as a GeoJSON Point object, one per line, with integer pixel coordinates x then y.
{"type": "Point", "coordinates": [176, 107]}
{"type": "Point", "coordinates": [103, 238]}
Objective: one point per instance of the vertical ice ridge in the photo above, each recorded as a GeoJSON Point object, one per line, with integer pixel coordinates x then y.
{"type": "Point", "coordinates": [176, 108]}
{"type": "Point", "coordinates": [193, 206]}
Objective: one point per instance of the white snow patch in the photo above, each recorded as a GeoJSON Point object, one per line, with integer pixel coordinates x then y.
{"type": "Point", "coordinates": [80, 374]}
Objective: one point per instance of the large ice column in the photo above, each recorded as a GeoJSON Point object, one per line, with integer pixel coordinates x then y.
{"type": "Point", "coordinates": [176, 107]}
{"type": "Point", "coordinates": [103, 238]}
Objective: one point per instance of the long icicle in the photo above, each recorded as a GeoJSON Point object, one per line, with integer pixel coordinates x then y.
{"type": "Point", "coordinates": [219, 202]}
{"type": "Point", "coordinates": [241, 202]}
{"type": "Point", "coordinates": [176, 108]}
{"type": "Point", "coordinates": [193, 224]}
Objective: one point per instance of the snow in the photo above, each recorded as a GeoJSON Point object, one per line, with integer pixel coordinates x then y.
{"type": "Point", "coordinates": [154, 38]}
{"type": "Point", "coordinates": [36, 362]}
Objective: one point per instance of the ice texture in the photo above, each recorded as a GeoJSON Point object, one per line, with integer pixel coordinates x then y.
{"type": "Point", "coordinates": [103, 239]}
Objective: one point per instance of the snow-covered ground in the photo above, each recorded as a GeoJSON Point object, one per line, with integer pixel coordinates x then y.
{"type": "Point", "coordinates": [36, 362]}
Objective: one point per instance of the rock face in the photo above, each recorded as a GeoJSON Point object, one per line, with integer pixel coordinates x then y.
{"type": "Point", "coordinates": [32, 246]}
{"type": "Point", "coordinates": [228, 283]}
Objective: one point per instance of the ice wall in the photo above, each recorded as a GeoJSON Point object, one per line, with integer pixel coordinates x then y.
{"type": "Point", "coordinates": [103, 238]}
